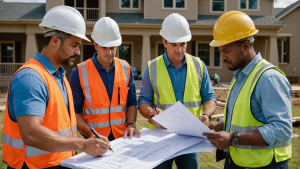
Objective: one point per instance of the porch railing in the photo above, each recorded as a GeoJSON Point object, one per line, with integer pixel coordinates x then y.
{"type": "Point", "coordinates": [89, 14]}
{"type": "Point", "coordinates": [8, 69]}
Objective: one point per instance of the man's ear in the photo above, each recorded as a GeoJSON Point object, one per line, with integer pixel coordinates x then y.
{"type": "Point", "coordinates": [164, 42]}
{"type": "Point", "coordinates": [246, 46]}
{"type": "Point", "coordinates": [55, 41]}
{"type": "Point", "coordinates": [95, 45]}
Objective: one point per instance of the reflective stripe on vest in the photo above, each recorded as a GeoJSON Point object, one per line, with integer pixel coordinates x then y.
{"type": "Point", "coordinates": [239, 129]}
{"type": "Point", "coordinates": [104, 111]}
{"type": "Point", "coordinates": [153, 70]}
{"type": "Point", "coordinates": [15, 143]}
{"type": "Point", "coordinates": [244, 121]}
{"type": "Point", "coordinates": [107, 124]}
{"type": "Point", "coordinates": [32, 151]}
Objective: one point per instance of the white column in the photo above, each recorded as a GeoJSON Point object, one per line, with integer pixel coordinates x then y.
{"type": "Point", "coordinates": [272, 53]}
{"type": "Point", "coordinates": [146, 55]}
{"type": "Point", "coordinates": [103, 8]}
{"type": "Point", "coordinates": [31, 46]}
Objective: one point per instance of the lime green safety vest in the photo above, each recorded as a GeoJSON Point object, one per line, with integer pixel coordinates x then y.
{"type": "Point", "coordinates": [164, 95]}
{"type": "Point", "coordinates": [243, 121]}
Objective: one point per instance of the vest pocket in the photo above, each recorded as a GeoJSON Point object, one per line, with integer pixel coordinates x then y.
{"type": "Point", "coordinates": [122, 95]}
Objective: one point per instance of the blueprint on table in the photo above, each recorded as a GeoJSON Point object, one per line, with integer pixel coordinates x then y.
{"type": "Point", "coordinates": [146, 152]}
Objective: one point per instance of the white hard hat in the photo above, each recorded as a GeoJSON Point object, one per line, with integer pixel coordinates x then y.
{"type": "Point", "coordinates": [65, 19]}
{"type": "Point", "coordinates": [175, 28]}
{"type": "Point", "coordinates": [106, 33]}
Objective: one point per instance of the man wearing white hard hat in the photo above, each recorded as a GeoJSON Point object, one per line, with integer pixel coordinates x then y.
{"type": "Point", "coordinates": [40, 126]}
{"type": "Point", "coordinates": [103, 87]}
{"type": "Point", "coordinates": [177, 76]}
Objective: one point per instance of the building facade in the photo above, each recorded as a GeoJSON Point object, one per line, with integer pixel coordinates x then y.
{"type": "Point", "coordinates": [140, 22]}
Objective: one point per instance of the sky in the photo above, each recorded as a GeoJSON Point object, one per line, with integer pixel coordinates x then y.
{"type": "Point", "coordinates": [278, 3]}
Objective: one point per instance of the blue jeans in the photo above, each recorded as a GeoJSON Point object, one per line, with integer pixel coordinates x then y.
{"type": "Point", "coordinates": [272, 165]}
{"type": "Point", "coordinates": [186, 161]}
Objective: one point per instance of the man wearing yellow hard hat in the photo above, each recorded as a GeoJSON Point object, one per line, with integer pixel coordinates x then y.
{"type": "Point", "coordinates": [256, 129]}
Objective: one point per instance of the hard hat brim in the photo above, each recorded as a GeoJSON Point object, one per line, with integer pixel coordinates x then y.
{"type": "Point", "coordinates": [186, 38]}
{"type": "Point", "coordinates": [215, 43]}
{"type": "Point", "coordinates": [109, 43]}
{"type": "Point", "coordinates": [83, 37]}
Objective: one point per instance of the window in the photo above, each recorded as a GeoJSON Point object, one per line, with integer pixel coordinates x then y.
{"type": "Point", "coordinates": [89, 9]}
{"type": "Point", "coordinates": [204, 53]}
{"type": "Point", "coordinates": [282, 51]}
{"type": "Point", "coordinates": [211, 56]}
{"type": "Point", "coordinates": [160, 48]}
{"type": "Point", "coordinates": [218, 6]}
{"type": "Point", "coordinates": [129, 4]}
{"type": "Point", "coordinates": [7, 52]}
{"type": "Point", "coordinates": [174, 4]}
{"type": "Point", "coordinates": [125, 52]}
{"type": "Point", "coordinates": [248, 4]}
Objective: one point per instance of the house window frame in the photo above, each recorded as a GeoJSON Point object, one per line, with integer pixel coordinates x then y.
{"type": "Point", "coordinates": [211, 55]}
{"type": "Point", "coordinates": [225, 7]}
{"type": "Point", "coordinates": [247, 6]}
{"type": "Point", "coordinates": [156, 50]}
{"type": "Point", "coordinates": [13, 42]}
{"type": "Point", "coordinates": [131, 6]}
{"type": "Point", "coordinates": [174, 6]}
{"type": "Point", "coordinates": [132, 50]}
{"type": "Point", "coordinates": [282, 51]}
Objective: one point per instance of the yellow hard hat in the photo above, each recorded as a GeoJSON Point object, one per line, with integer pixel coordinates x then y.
{"type": "Point", "coordinates": [232, 26]}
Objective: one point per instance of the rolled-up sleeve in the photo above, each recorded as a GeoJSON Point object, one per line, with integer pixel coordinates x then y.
{"type": "Point", "coordinates": [207, 92]}
{"type": "Point", "coordinates": [275, 100]}
{"type": "Point", "coordinates": [146, 92]}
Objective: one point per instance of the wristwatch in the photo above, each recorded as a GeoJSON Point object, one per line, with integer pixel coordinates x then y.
{"type": "Point", "coordinates": [235, 141]}
{"type": "Point", "coordinates": [209, 116]}
{"type": "Point", "coordinates": [132, 125]}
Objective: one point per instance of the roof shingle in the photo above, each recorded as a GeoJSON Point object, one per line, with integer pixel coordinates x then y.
{"type": "Point", "coordinates": [288, 8]}
{"type": "Point", "coordinates": [16, 11]}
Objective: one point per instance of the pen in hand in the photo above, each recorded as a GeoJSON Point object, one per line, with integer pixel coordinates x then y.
{"type": "Point", "coordinates": [94, 131]}
{"type": "Point", "coordinates": [155, 111]}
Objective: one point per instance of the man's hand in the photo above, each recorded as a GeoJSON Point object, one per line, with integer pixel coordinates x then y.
{"type": "Point", "coordinates": [157, 125]}
{"type": "Point", "coordinates": [130, 130]}
{"type": "Point", "coordinates": [204, 119]}
{"type": "Point", "coordinates": [221, 140]}
{"type": "Point", "coordinates": [93, 146]}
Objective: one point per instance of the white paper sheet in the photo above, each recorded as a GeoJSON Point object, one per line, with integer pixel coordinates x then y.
{"type": "Point", "coordinates": [143, 153]}
{"type": "Point", "coordinates": [203, 146]}
{"type": "Point", "coordinates": [178, 119]}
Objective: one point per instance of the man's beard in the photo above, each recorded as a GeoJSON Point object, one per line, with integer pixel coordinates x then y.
{"type": "Point", "coordinates": [65, 62]}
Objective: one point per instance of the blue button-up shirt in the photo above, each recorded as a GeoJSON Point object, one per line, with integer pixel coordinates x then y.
{"type": "Point", "coordinates": [108, 80]}
{"type": "Point", "coordinates": [178, 77]}
{"type": "Point", "coordinates": [28, 92]}
{"type": "Point", "coordinates": [270, 103]}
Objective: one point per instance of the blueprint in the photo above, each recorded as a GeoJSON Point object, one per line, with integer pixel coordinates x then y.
{"type": "Point", "coordinates": [146, 152]}
{"type": "Point", "coordinates": [178, 119]}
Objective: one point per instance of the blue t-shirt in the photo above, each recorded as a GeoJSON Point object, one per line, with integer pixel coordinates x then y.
{"type": "Point", "coordinates": [28, 93]}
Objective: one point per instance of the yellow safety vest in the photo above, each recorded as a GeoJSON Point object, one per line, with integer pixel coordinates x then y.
{"type": "Point", "coordinates": [164, 95]}
{"type": "Point", "coordinates": [243, 121]}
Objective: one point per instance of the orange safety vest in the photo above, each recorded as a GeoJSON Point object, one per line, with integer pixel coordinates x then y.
{"type": "Point", "coordinates": [57, 118]}
{"type": "Point", "coordinates": [98, 111]}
